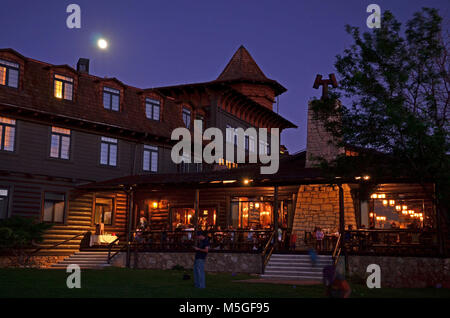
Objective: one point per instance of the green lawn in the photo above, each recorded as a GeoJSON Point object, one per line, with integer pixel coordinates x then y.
{"type": "Point", "coordinates": [117, 282]}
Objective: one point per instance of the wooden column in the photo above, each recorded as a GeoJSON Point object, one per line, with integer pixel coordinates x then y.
{"type": "Point", "coordinates": [130, 218]}
{"type": "Point", "coordinates": [275, 210]}
{"type": "Point", "coordinates": [196, 208]}
{"type": "Point", "coordinates": [341, 210]}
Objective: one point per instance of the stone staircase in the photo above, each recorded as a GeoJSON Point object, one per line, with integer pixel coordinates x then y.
{"type": "Point", "coordinates": [85, 259]}
{"type": "Point", "coordinates": [295, 267]}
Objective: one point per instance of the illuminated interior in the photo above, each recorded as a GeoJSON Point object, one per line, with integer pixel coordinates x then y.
{"type": "Point", "coordinates": [391, 211]}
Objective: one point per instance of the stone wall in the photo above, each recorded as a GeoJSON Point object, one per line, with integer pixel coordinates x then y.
{"type": "Point", "coordinates": [318, 205]}
{"type": "Point", "coordinates": [404, 272]}
{"type": "Point", "coordinates": [39, 261]}
{"type": "Point", "coordinates": [215, 262]}
{"type": "Point", "coordinates": [319, 142]}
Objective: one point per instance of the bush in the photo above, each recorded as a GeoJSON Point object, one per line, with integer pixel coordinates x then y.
{"type": "Point", "coordinates": [19, 234]}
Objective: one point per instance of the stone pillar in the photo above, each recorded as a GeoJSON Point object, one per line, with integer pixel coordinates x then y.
{"type": "Point", "coordinates": [318, 205]}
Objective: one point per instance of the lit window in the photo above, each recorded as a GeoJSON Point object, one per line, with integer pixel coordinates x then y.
{"type": "Point", "coordinates": [7, 133]}
{"type": "Point", "coordinates": [150, 160]}
{"type": "Point", "coordinates": [3, 203]}
{"type": "Point", "coordinates": [9, 74]}
{"type": "Point", "coordinates": [104, 209]}
{"type": "Point", "coordinates": [108, 151]}
{"type": "Point", "coordinates": [111, 98]}
{"type": "Point", "coordinates": [63, 87]}
{"type": "Point", "coordinates": [152, 108]}
{"type": "Point", "coordinates": [60, 143]}
{"type": "Point", "coordinates": [54, 206]}
{"type": "Point", "coordinates": [187, 117]}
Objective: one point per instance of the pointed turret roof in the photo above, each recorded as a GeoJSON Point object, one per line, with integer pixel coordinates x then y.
{"type": "Point", "coordinates": [242, 67]}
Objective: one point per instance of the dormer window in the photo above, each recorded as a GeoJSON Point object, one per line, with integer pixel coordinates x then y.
{"type": "Point", "coordinates": [111, 98]}
{"type": "Point", "coordinates": [187, 117]}
{"type": "Point", "coordinates": [63, 87]}
{"type": "Point", "coordinates": [9, 74]}
{"type": "Point", "coordinates": [152, 108]}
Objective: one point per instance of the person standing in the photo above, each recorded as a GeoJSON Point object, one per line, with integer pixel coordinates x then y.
{"type": "Point", "coordinates": [201, 251]}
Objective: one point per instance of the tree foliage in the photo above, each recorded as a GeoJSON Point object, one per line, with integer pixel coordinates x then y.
{"type": "Point", "coordinates": [394, 93]}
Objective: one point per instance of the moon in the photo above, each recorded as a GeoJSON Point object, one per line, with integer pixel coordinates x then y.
{"type": "Point", "coordinates": [102, 44]}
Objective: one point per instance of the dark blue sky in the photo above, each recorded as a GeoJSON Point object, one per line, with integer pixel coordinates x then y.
{"type": "Point", "coordinates": [157, 43]}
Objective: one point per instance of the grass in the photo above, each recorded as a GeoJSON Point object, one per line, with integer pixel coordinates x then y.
{"type": "Point", "coordinates": [119, 282]}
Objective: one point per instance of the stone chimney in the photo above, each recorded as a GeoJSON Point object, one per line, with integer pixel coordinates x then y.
{"type": "Point", "coordinates": [83, 65]}
{"type": "Point", "coordinates": [319, 142]}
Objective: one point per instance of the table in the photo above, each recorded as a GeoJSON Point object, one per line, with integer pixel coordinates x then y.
{"type": "Point", "coordinates": [102, 239]}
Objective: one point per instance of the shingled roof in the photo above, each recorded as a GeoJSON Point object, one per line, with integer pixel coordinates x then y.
{"type": "Point", "coordinates": [242, 67]}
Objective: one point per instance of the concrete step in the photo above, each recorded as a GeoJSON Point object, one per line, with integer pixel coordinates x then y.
{"type": "Point", "coordinates": [297, 268]}
{"type": "Point", "coordinates": [293, 277]}
{"type": "Point", "coordinates": [64, 265]}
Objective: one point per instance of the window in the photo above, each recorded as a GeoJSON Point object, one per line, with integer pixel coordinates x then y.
{"type": "Point", "coordinates": [54, 206]}
{"type": "Point", "coordinates": [104, 208]}
{"type": "Point", "coordinates": [63, 87]}
{"type": "Point", "coordinates": [150, 160]}
{"type": "Point", "coordinates": [152, 108]}
{"type": "Point", "coordinates": [187, 117]}
{"type": "Point", "coordinates": [111, 98]}
{"type": "Point", "coordinates": [263, 147]}
{"type": "Point", "coordinates": [3, 203]}
{"type": "Point", "coordinates": [251, 143]}
{"type": "Point", "coordinates": [108, 151]}
{"type": "Point", "coordinates": [9, 74]}
{"type": "Point", "coordinates": [7, 133]}
{"type": "Point", "coordinates": [230, 134]}
{"type": "Point", "coordinates": [246, 143]}
{"type": "Point", "coordinates": [60, 143]}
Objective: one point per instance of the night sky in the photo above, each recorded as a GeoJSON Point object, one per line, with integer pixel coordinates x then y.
{"type": "Point", "coordinates": [159, 43]}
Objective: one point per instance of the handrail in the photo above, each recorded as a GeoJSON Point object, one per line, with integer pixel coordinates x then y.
{"type": "Point", "coordinates": [110, 246]}
{"type": "Point", "coordinates": [337, 250]}
{"type": "Point", "coordinates": [269, 247]}
{"type": "Point", "coordinates": [57, 244]}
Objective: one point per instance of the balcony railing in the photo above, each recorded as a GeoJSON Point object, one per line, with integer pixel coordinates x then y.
{"type": "Point", "coordinates": [252, 241]}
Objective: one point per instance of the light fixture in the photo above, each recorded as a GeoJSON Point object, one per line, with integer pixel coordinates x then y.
{"type": "Point", "coordinates": [404, 212]}
{"type": "Point", "coordinates": [247, 181]}
{"type": "Point", "coordinates": [391, 202]}
{"type": "Point", "coordinates": [382, 196]}
{"type": "Point", "coordinates": [155, 204]}
{"type": "Point", "coordinates": [404, 207]}
{"type": "Point", "coordinates": [398, 207]}
{"type": "Point", "coordinates": [385, 202]}
{"type": "Point", "coordinates": [256, 205]}
{"type": "Point", "coordinates": [366, 177]}
{"type": "Point", "coordinates": [357, 178]}
{"type": "Point", "coordinates": [229, 181]}
{"type": "Point", "coordinates": [373, 196]}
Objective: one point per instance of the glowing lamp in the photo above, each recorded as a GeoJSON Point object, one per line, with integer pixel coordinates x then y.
{"type": "Point", "coordinates": [366, 177]}
{"type": "Point", "coordinates": [373, 196]}
{"type": "Point", "coordinates": [404, 207]}
{"type": "Point", "coordinates": [391, 202]}
{"type": "Point", "coordinates": [385, 202]}
{"type": "Point", "coordinates": [256, 205]}
{"type": "Point", "coordinates": [155, 204]}
{"type": "Point", "coordinates": [398, 207]}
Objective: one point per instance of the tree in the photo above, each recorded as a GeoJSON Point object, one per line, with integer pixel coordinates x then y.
{"type": "Point", "coordinates": [17, 235]}
{"type": "Point", "coordinates": [394, 100]}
